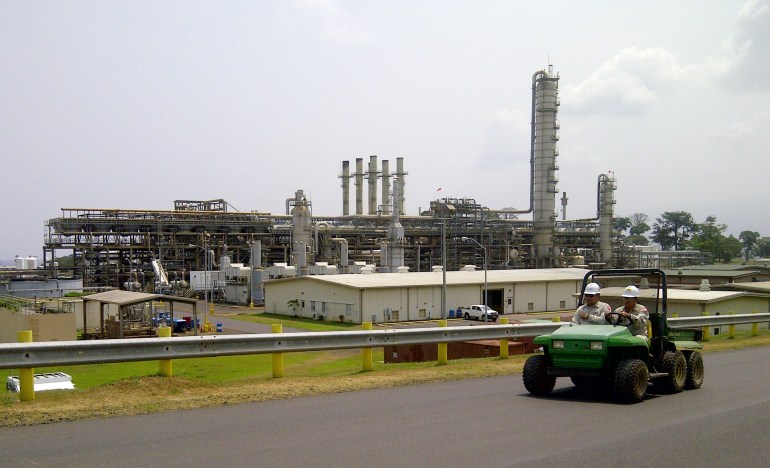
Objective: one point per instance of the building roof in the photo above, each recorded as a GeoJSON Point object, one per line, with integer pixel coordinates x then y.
{"type": "Point", "coordinates": [714, 273]}
{"type": "Point", "coordinates": [759, 286]}
{"type": "Point", "coordinates": [681, 295]}
{"type": "Point", "coordinates": [396, 280]}
{"type": "Point", "coordinates": [128, 297]}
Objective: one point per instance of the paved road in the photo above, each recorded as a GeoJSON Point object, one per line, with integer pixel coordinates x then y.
{"type": "Point", "coordinates": [484, 422]}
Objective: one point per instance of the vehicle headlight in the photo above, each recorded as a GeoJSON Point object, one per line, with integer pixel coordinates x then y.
{"type": "Point", "coordinates": [557, 344]}
{"type": "Point", "coordinates": [597, 345]}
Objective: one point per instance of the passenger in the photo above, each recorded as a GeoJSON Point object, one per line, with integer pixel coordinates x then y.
{"type": "Point", "coordinates": [632, 315]}
{"type": "Point", "coordinates": [592, 312]}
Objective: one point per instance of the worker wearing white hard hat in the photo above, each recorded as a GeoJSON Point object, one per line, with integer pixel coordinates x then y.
{"type": "Point", "coordinates": [593, 310]}
{"type": "Point", "coordinates": [632, 314]}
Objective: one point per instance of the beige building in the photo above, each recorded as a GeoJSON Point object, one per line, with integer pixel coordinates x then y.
{"type": "Point", "coordinates": [383, 297]}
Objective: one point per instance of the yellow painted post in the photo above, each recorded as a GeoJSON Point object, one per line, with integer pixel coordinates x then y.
{"type": "Point", "coordinates": [504, 341]}
{"type": "Point", "coordinates": [26, 376]}
{"type": "Point", "coordinates": [251, 305]}
{"type": "Point", "coordinates": [731, 329]}
{"type": "Point", "coordinates": [705, 329]}
{"type": "Point", "coordinates": [367, 352]}
{"type": "Point", "coordinates": [556, 319]}
{"type": "Point", "coordinates": [277, 357]}
{"type": "Point", "coordinates": [674, 315]}
{"type": "Point", "coordinates": [442, 347]}
{"type": "Point", "coordinates": [754, 326]}
{"type": "Point", "coordinates": [164, 365]}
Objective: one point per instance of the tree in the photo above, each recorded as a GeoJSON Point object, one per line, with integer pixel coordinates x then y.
{"type": "Point", "coordinates": [710, 238]}
{"type": "Point", "coordinates": [749, 242]}
{"type": "Point", "coordinates": [673, 229]}
{"type": "Point", "coordinates": [763, 247]}
{"type": "Point", "coordinates": [621, 224]}
{"type": "Point", "coordinates": [639, 224]}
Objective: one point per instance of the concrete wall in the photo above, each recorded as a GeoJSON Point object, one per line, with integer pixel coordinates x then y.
{"type": "Point", "coordinates": [45, 327]}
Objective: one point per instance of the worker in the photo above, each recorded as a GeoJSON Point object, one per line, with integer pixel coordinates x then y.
{"type": "Point", "coordinates": [632, 314]}
{"type": "Point", "coordinates": [593, 310]}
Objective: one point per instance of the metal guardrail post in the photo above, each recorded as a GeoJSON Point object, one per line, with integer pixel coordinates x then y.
{"type": "Point", "coordinates": [366, 353]}
{"type": "Point", "coordinates": [442, 347]}
{"type": "Point", "coordinates": [26, 376]}
{"type": "Point", "coordinates": [754, 326]}
{"type": "Point", "coordinates": [164, 365]}
{"type": "Point", "coordinates": [504, 341]}
{"type": "Point", "coordinates": [731, 329]}
{"type": "Point", "coordinates": [706, 329]}
{"type": "Point", "coordinates": [277, 357]}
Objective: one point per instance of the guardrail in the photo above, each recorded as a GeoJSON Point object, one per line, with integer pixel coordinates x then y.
{"type": "Point", "coordinates": [26, 356]}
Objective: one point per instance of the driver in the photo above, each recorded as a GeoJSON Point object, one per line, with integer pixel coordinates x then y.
{"type": "Point", "coordinates": [592, 312]}
{"type": "Point", "coordinates": [632, 315]}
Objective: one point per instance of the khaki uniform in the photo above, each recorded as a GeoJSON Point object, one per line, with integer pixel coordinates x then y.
{"type": "Point", "coordinates": [637, 325]}
{"type": "Point", "coordinates": [595, 314]}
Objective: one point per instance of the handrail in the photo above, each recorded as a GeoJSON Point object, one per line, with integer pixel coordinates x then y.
{"type": "Point", "coordinates": [54, 353]}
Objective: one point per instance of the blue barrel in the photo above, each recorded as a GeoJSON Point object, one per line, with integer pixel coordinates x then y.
{"type": "Point", "coordinates": [451, 313]}
{"type": "Point", "coordinates": [219, 328]}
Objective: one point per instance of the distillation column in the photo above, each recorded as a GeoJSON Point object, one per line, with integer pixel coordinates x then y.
{"type": "Point", "coordinates": [359, 182]}
{"type": "Point", "coordinates": [385, 188]}
{"type": "Point", "coordinates": [607, 186]}
{"type": "Point", "coordinates": [301, 220]}
{"type": "Point", "coordinates": [372, 176]}
{"type": "Point", "coordinates": [545, 89]}
{"type": "Point", "coordinates": [345, 188]}
{"type": "Point", "coordinates": [400, 180]}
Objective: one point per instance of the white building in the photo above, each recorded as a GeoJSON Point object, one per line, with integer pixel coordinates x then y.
{"type": "Point", "coordinates": [395, 297]}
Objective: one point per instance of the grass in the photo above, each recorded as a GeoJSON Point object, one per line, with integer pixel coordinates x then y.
{"type": "Point", "coordinates": [296, 322]}
{"type": "Point", "coordinates": [107, 390]}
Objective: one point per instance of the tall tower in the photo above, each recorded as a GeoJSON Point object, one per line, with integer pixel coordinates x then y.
{"type": "Point", "coordinates": [545, 132]}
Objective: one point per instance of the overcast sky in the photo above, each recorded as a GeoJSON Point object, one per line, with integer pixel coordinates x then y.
{"type": "Point", "coordinates": [115, 104]}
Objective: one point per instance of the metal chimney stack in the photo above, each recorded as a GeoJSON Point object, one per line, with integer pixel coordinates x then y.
{"type": "Point", "coordinates": [372, 176]}
{"type": "Point", "coordinates": [345, 188]}
{"type": "Point", "coordinates": [385, 189]}
{"type": "Point", "coordinates": [359, 182]}
{"type": "Point", "coordinates": [400, 180]}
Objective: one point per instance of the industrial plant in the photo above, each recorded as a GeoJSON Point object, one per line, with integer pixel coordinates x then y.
{"type": "Point", "coordinates": [207, 247]}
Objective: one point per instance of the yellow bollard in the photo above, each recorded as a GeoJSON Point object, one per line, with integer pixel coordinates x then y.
{"type": "Point", "coordinates": [674, 315]}
{"type": "Point", "coordinates": [731, 329]}
{"type": "Point", "coordinates": [504, 341]}
{"type": "Point", "coordinates": [556, 319]}
{"type": "Point", "coordinates": [277, 357]}
{"type": "Point", "coordinates": [26, 376]}
{"type": "Point", "coordinates": [754, 326]}
{"type": "Point", "coordinates": [705, 329]}
{"type": "Point", "coordinates": [164, 365]}
{"type": "Point", "coordinates": [367, 352]}
{"type": "Point", "coordinates": [251, 305]}
{"type": "Point", "coordinates": [211, 309]}
{"type": "Point", "coordinates": [442, 347]}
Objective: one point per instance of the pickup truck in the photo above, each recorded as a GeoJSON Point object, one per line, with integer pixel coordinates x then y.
{"type": "Point", "coordinates": [479, 312]}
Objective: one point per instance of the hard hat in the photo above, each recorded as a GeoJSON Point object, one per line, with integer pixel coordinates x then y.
{"type": "Point", "coordinates": [631, 291]}
{"type": "Point", "coordinates": [592, 288]}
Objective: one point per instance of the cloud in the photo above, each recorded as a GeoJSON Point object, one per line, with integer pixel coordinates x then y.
{"type": "Point", "coordinates": [750, 47]}
{"type": "Point", "coordinates": [507, 139]}
{"type": "Point", "coordinates": [628, 82]}
{"type": "Point", "coordinates": [337, 24]}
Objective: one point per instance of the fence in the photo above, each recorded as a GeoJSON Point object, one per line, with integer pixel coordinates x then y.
{"type": "Point", "coordinates": [26, 356]}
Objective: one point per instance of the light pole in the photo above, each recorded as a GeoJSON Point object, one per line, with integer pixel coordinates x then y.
{"type": "Point", "coordinates": [466, 239]}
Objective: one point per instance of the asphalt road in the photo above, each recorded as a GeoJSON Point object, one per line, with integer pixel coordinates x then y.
{"type": "Point", "coordinates": [483, 422]}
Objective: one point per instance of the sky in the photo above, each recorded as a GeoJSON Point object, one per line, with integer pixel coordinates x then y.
{"type": "Point", "coordinates": [132, 105]}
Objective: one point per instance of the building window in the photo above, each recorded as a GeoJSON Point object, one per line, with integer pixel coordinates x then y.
{"type": "Point", "coordinates": [394, 316]}
{"type": "Point", "coordinates": [530, 306]}
{"type": "Point", "coordinates": [312, 306]}
{"type": "Point", "coordinates": [348, 309]}
{"type": "Point", "coordinates": [422, 313]}
{"type": "Point", "coordinates": [562, 305]}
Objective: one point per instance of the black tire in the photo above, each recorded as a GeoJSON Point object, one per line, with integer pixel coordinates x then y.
{"type": "Point", "coordinates": [631, 380]}
{"type": "Point", "coordinates": [467, 316]}
{"type": "Point", "coordinates": [695, 372]}
{"type": "Point", "coordinates": [675, 365]}
{"type": "Point", "coordinates": [535, 375]}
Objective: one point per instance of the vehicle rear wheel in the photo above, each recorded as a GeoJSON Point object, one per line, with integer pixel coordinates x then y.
{"type": "Point", "coordinates": [675, 366]}
{"type": "Point", "coordinates": [631, 380]}
{"type": "Point", "coordinates": [535, 375]}
{"type": "Point", "coordinates": [467, 316]}
{"type": "Point", "coordinates": [694, 371]}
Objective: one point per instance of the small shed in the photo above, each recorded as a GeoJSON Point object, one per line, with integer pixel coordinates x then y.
{"type": "Point", "coordinates": [134, 313]}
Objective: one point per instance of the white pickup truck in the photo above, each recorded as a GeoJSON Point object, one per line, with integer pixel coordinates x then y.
{"type": "Point", "coordinates": [479, 312]}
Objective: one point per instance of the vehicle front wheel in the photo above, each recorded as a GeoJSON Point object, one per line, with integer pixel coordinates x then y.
{"type": "Point", "coordinates": [694, 371]}
{"type": "Point", "coordinates": [535, 375]}
{"type": "Point", "coordinates": [631, 380]}
{"type": "Point", "coordinates": [467, 316]}
{"type": "Point", "coordinates": [675, 366]}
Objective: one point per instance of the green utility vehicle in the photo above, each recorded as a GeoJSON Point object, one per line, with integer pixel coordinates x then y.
{"type": "Point", "coordinates": [608, 359]}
